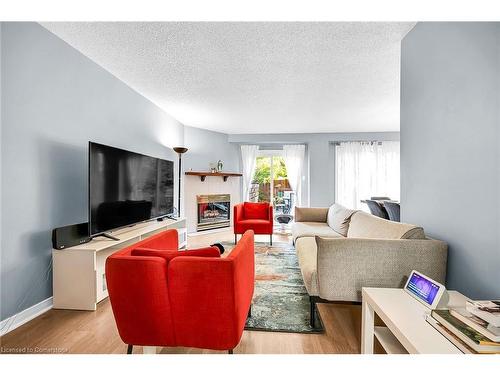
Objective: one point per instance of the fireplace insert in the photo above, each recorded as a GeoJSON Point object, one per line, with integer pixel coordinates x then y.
{"type": "Point", "coordinates": [214, 211]}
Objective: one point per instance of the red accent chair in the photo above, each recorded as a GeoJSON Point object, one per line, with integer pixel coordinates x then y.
{"type": "Point", "coordinates": [164, 297]}
{"type": "Point", "coordinates": [253, 216]}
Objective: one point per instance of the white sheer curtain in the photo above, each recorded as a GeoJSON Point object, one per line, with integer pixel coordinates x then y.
{"type": "Point", "coordinates": [364, 170]}
{"type": "Point", "coordinates": [294, 160]}
{"type": "Point", "coordinates": [248, 155]}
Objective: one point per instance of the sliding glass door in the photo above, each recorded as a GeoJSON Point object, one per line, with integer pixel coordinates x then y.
{"type": "Point", "coordinates": [261, 186]}
{"type": "Point", "coordinates": [270, 182]}
{"type": "Point", "coordinates": [282, 193]}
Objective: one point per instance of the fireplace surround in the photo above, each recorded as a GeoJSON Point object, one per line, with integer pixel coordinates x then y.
{"type": "Point", "coordinates": [214, 211]}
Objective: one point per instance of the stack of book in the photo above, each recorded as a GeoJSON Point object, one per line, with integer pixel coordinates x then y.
{"type": "Point", "coordinates": [474, 328]}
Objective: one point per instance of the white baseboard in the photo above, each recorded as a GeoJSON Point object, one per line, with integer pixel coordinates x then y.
{"type": "Point", "coordinates": [25, 316]}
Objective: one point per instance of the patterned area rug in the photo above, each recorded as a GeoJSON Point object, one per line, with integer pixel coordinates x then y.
{"type": "Point", "coordinates": [280, 301]}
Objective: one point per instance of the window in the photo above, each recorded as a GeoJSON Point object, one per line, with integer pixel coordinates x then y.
{"type": "Point", "coordinates": [364, 170]}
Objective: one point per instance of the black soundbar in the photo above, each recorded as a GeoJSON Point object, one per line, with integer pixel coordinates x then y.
{"type": "Point", "coordinates": [70, 235]}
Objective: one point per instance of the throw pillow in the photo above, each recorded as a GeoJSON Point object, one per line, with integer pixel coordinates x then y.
{"type": "Point", "coordinates": [338, 218]}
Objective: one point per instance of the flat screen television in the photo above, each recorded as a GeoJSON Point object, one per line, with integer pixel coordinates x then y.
{"type": "Point", "coordinates": [127, 188]}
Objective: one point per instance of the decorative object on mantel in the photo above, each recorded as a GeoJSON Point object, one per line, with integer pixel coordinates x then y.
{"type": "Point", "coordinates": [180, 151]}
{"type": "Point", "coordinates": [224, 175]}
{"type": "Point", "coordinates": [219, 166]}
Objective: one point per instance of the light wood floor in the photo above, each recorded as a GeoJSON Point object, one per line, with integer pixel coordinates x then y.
{"type": "Point", "coordinates": [66, 331]}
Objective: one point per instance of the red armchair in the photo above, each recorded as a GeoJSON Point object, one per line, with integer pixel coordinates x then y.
{"type": "Point", "coordinates": [164, 297]}
{"type": "Point", "coordinates": [253, 216]}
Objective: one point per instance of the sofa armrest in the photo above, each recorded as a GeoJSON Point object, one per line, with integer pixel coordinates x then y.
{"type": "Point", "coordinates": [203, 301]}
{"type": "Point", "coordinates": [238, 212]}
{"type": "Point", "coordinates": [346, 265]}
{"type": "Point", "coordinates": [138, 291]}
{"type": "Point", "coordinates": [315, 214]}
{"type": "Point", "coordinates": [270, 213]}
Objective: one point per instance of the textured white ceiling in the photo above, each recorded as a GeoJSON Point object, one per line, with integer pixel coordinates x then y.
{"type": "Point", "coordinates": [255, 77]}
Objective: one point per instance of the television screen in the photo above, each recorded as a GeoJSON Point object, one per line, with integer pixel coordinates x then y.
{"type": "Point", "coordinates": [126, 188]}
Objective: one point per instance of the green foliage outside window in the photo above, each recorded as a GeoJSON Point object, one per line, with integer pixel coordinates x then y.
{"type": "Point", "coordinates": [262, 173]}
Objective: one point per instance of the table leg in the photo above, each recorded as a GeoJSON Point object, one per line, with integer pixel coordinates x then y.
{"type": "Point", "coordinates": [367, 328]}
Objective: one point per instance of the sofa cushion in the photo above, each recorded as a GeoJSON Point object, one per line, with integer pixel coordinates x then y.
{"type": "Point", "coordinates": [311, 229]}
{"type": "Point", "coordinates": [256, 210]}
{"type": "Point", "coordinates": [364, 225]}
{"type": "Point", "coordinates": [307, 254]}
{"type": "Point", "coordinates": [316, 214]}
{"type": "Point", "coordinates": [256, 225]}
{"type": "Point", "coordinates": [338, 218]}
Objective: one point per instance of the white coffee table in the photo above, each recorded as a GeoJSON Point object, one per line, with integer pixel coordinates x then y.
{"type": "Point", "coordinates": [407, 330]}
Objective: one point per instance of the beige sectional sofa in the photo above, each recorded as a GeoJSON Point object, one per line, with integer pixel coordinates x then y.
{"type": "Point", "coordinates": [340, 251]}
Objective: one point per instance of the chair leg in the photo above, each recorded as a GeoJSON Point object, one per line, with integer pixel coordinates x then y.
{"type": "Point", "coordinates": [129, 349]}
{"type": "Point", "coordinates": [149, 350]}
{"type": "Point", "coordinates": [270, 240]}
{"type": "Point", "coordinates": [235, 238]}
{"type": "Point", "coordinates": [249, 315]}
{"type": "Point", "coordinates": [312, 313]}
{"type": "Point", "coordinates": [230, 351]}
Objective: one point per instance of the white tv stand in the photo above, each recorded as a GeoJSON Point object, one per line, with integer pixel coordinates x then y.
{"type": "Point", "coordinates": [78, 272]}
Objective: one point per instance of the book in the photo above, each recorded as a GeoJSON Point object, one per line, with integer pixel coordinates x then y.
{"type": "Point", "coordinates": [464, 348]}
{"type": "Point", "coordinates": [480, 325]}
{"type": "Point", "coordinates": [468, 335]}
{"type": "Point", "coordinates": [486, 310]}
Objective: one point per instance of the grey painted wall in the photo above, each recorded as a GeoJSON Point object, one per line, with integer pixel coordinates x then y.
{"type": "Point", "coordinates": [207, 147]}
{"type": "Point", "coordinates": [320, 168]}
{"type": "Point", "coordinates": [450, 137]}
{"type": "Point", "coordinates": [54, 100]}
